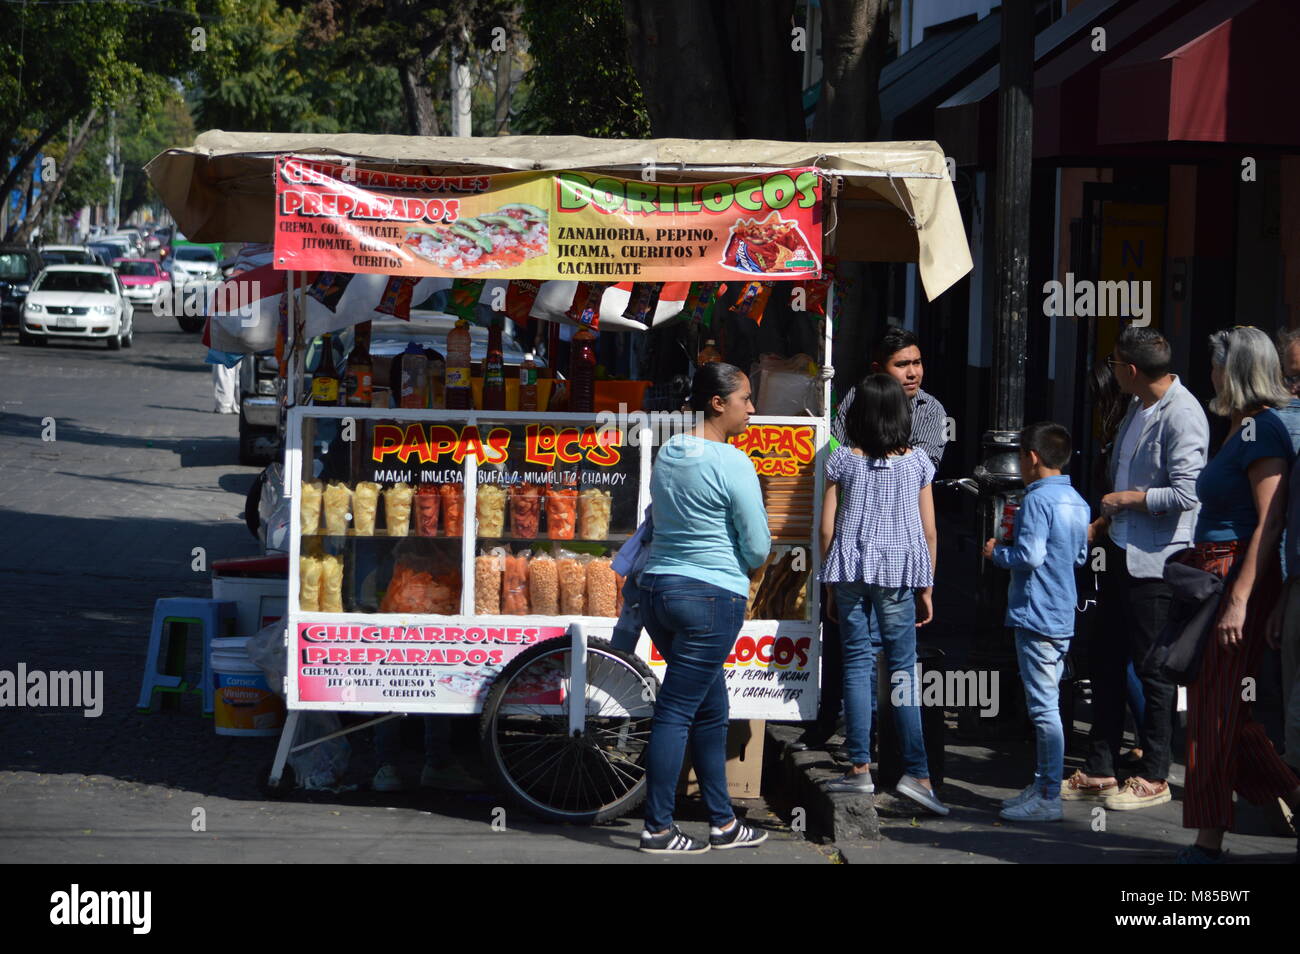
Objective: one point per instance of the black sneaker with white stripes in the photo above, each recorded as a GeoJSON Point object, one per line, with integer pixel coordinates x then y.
{"type": "Point", "coordinates": [672, 842]}
{"type": "Point", "coordinates": [739, 835]}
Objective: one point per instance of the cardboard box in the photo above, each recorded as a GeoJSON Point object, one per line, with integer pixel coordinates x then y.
{"type": "Point", "coordinates": [744, 761]}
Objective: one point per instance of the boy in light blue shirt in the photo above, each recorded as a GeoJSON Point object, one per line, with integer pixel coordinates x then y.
{"type": "Point", "coordinates": [1051, 538]}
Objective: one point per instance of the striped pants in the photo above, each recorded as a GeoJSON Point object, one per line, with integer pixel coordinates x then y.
{"type": "Point", "coordinates": [1227, 750]}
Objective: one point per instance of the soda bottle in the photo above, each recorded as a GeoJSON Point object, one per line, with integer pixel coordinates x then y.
{"type": "Point", "coordinates": [528, 383]}
{"type": "Point", "coordinates": [582, 373]}
{"type": "Point", "coordinates": [458, 390]}
{"type": "Point", "coordinates": [494, 370]}
{"type": "Point", "coordinates": [709, 353]}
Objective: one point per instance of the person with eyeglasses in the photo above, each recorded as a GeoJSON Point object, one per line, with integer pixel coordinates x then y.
{"type": "Point", "coordinates": [1243, 495]}
{"type": "Point", "coordinates": [1150, 513]}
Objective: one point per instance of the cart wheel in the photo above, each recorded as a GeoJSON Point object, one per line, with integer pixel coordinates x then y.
{"type": "Point", "coordinates": [282, 788]}
{"type": "Point", "coordinates": [594, 777]}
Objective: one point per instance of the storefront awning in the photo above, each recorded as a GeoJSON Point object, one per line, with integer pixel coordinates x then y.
{"type": "Point", "coordinates": [1221, 73]}
{"type": "Point", "coordinates": [897, 204]}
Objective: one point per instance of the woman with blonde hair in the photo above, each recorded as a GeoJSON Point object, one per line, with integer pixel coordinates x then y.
{"type": "Point", "coordinates": [1243, 504]}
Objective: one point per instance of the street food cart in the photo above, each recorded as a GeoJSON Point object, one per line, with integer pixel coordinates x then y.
{"type": "Point", "coordinates": [449, 561]}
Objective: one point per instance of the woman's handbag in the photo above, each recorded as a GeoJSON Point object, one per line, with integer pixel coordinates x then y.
{"type": "Point", "coordinates": [1192, 614]}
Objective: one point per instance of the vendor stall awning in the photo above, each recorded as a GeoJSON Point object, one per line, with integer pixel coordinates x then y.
{"type": "Point", "coordinates": [1221, 73]}
{"type": "Point", "coordinates": [897, 203]}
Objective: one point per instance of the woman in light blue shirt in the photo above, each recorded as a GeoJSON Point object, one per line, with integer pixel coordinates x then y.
{"type": "Point", "coordinates": [710, 531]}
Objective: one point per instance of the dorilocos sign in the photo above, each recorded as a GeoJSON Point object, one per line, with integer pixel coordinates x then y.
{"type": "Point", "coordinates": [567, 225]}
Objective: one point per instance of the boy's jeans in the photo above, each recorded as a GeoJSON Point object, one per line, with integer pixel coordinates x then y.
{"type": "Point", "coordinates": [1042, 663]}
{"type": "Point", "coordinates": [871, 617]}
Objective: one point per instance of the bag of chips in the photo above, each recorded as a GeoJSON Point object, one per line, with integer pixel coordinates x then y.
{"type": "Point", "coordinates": [464, 296]}
{"type": "Point", "coordinates": [396, 300]}
{"type": "Point", "coordinates": [585, 309]}
{"type": "Point", "coordinates": [752, 300]}
{"type": "Point", "coordinates": [520, 296]}
{"type": "Point", "coordinates": [329, 287]}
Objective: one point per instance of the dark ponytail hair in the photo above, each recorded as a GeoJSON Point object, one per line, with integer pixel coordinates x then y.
{"type": "Point", "coordinates": [713, 379]}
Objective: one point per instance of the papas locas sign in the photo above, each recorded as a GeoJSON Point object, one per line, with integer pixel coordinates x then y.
{"type": "Point", "coordinates": [778, 450]}
{"type": "Point", "coordinates": [567, 225]}
{"type": "Point", "coordinates": [544, 444]}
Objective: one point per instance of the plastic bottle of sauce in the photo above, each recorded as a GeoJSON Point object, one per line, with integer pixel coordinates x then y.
{"type": "Point", "coordinates": [582, 373]}
{"type": "Point", "coordinates": [528, 383]}
{"type": "Point", "coordinates": [458, 390]}
{"type": "Point", "coordinates": [494, 370]}
{"type": "Point", "coordinates": [709, 353]}
{"type": "Point", "coordinates": [414, 380]}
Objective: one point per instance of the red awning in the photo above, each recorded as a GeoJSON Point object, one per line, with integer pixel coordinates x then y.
{"type": "Point", "coordinates": [1224, 72]}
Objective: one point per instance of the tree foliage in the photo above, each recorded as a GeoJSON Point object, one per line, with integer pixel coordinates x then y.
{"type": "Point", "coordinates": [580, 82]}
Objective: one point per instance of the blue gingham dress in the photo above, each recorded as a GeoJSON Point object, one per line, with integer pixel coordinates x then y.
{"type": "Point", "coordinates": [878, 533]}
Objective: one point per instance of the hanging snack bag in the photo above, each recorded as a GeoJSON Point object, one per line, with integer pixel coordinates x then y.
{"type": "Point", "coordinates": [520, 295]}
{"type": "Point", "coordinates": [329, 287]}
{"type": "Point", "coordinates": [428, 505]}
{"type": "Point", "coordinates": [602, 589]}
{"type": "Point", "coordinates": [465, 293]}
{"type": "Point", "coordinates": [543, 585]}
{"type": "Point", "coordinates": [487, 581]}
{"type": "Point", "coordinates": [396, 300]}
{"type": "Point", "coordinates": [585, 309]}
{"type": "Point", "coordinates": [514, 585]}
{"type": "Point", "coordinates": [752, 300]}
{"type": "Point", "coordinates": [641, 304]}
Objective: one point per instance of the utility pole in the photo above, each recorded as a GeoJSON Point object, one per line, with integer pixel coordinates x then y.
{"type": "Point", "coordinates": [998, 475]}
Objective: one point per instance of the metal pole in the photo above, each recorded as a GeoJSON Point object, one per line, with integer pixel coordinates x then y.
{"type": "Point", "coordinates": [998, 475]}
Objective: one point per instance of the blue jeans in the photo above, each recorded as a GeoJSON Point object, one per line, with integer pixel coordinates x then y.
{"type": "Point", "coordinates": [694, 626]}
{"type": "Point", "coordinates": [1042, 663]}
{"type": "Point", "coordinates": [871, 617]}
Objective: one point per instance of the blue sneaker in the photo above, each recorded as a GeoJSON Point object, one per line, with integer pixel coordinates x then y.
{"type": "Point", "coordinates": [1019, 799]}
{"type": "Point", "coordinates": [1034, 809]}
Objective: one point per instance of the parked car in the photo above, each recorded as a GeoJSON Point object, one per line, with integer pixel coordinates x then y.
{"type": "Point", "coordinates": [152, 242]}
{"type": "Point", "coordinates": [259, 409]}
{"type": "Point", "coordinates": [133, 239]}
{"type": "Point", "coordinates": [110, 249]}
{"type": "Point", "coordinates": [77, 302]}
{"type": "Point", "coordinates": [143, 280]}
{"type": "Point", "coordinates": [19, 266]}
{"type": "Point", "coordinates": [192, 262]}
{"type": "Point", "coordinates": [69, 255]}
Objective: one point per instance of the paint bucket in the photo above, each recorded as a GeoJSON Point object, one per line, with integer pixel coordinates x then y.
{"type": "Point", "coordinates": [243, 704]}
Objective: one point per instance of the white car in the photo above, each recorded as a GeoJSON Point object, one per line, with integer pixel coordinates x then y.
{"type": "Point", "coordinates": [77, 301]}
{"type": "Point", "coordinates": [188, 263]}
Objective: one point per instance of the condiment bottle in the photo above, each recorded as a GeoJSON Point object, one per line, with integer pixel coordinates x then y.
{"type": "Point", "coordinates": [459, 391]}
{"type": "Point", "coordinates": [708, 354]}
{"type": "Point", "coordinates": [414, 382]}
{"type": "Point", "coordinates": [494, 379]}
{"type": "Point", "coordinates": [528, 383]}
{"type": "Point", "coordinates": [325, 382]}
{"type": "Point", "coordinates": [359, 374]}
{"type": "Point", "coordinates": [437, 379]}
{"type": "Point", "coordinates": [582, 373]}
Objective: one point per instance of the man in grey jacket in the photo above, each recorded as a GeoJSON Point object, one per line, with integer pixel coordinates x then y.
{"type": "Point", "coordinates": [1150, 514]}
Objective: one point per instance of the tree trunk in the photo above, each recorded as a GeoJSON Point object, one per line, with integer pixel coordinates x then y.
{"type": "Point", "coordinates": [420, 115]}
{"type": "Point", "coordinates": [855, 34]}
{"type": "Point", "coordinates": [50, 194]}
{"type": "Point", "coordinates": [765, 71]}
{"type": "Point", "coordinates": [674, 50]}
{"type": "Point", "coordinates": [504, 67]}
{"type": "Point", "coordinates": [27, 155]}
